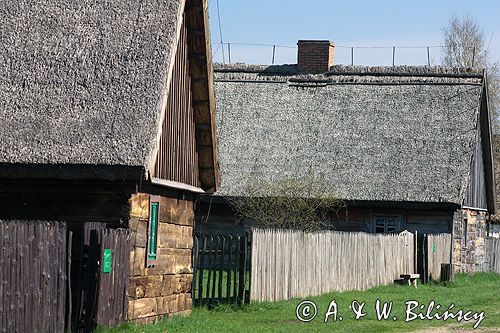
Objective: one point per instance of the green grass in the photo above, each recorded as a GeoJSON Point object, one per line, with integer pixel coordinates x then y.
{"type": "Point", "coordinates": [476, 292]}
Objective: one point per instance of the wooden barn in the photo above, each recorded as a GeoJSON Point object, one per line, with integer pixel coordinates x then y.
{"type": "Point", "coordinates": [407, 148]}
{"type": "Point", "coordinates": [108, 131]}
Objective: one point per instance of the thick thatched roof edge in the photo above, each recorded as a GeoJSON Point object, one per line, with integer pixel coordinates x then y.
{"type": "Point", "coordinates": [71, 172]}
{"type": "Point", "coordinates": [84, 82]}
{"type": "Point", "coordinates": [341, 74]}
{"type": "Point", "coordinates": [291, 69]}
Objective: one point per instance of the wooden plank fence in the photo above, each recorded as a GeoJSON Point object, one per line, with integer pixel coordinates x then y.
{"type": "Point", "coordinates": [102, 294]}
{"type": "Point", "coordinates": [222, 265]}
{"type": "Point", "coordinates": [493, 254]}
{"type": "Point", "coordinates": [33, 276]}
{"type": "Point", "coordinates": [287, 264]}
{"type": "Point", "coordinates": [438, 252]}
{"type": "Point", "coordinates": [112, 298]}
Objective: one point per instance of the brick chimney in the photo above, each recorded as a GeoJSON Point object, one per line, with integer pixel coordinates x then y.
{"type": "Point", "coordinates": [315, 56]}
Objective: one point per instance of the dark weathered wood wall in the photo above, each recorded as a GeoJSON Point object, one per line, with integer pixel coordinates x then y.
{"type": "Point", "coordinates": [429, 221]}
{"type": "Point", "coordinates": [66, 202]}
{"type": "Point", "coordinates": [216, 217]}
{"type": "Point", "coordinates": [33, 276]}
{"type": "Point", "coordinates": [177, 158]}
{"type": "Point", "coordinates": [476, 190]}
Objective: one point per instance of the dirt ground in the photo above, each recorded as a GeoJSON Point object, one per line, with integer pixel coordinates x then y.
{"type": "Point", "coordinates": [455, 329]}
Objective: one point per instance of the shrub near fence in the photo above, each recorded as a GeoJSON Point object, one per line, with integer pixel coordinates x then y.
{"type": "Point", "coordinates": [287, 264]}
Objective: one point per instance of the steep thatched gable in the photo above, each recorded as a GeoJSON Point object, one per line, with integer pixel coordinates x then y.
{"type": "Point", "coordinates": [85, 83]}
{"type": "Point", "coordinates": [370, 133]}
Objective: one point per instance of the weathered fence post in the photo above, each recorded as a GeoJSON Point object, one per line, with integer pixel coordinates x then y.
{"type": "Point", "coordinates": [91, 284]}
{"type": "Point", "coordinates": [68, 293]}
{"type": "Point", "coordinates": [243, 266]}
{"type": "Point", "coordinates": [221, 268]}
{"type": "Point", "coordinates": [228, 285]}
{"type": "Point", "coordinates": [201, 262]}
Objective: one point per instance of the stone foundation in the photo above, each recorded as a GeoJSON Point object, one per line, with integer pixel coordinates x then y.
{"type": "Point", "coordinates": [469, 231]}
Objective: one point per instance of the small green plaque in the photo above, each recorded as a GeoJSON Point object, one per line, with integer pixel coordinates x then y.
{"type": "Point", "coordinates": [434, 247]}
{"type": "Point", "coordinates": [106, 266]}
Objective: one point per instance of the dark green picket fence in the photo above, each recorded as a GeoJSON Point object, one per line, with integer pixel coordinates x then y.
{"type": "Point", "coordinates": [222, 269]}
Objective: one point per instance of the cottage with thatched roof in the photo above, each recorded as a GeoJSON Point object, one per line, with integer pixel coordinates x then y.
{"type": "Point", "coordinates": [407, 148]}
{"type": "Point", "coordinates": [107, 121]}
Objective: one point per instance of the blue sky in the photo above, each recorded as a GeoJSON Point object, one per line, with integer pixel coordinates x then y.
{"type": "Point", "coordinates": [348, 23]}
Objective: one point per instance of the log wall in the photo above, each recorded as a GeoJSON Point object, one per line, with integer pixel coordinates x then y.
{"type": "Point", "coordinates": [164, 289]}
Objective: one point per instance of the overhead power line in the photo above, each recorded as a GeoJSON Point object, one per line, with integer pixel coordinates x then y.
{"type": "Point", "coordinates": [220, 32]}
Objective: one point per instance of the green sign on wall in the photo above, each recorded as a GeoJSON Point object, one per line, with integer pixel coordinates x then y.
{"type": "Point", "coordinates": [106, 266]}
{"type": "Point", "coordinates": [434, 247]}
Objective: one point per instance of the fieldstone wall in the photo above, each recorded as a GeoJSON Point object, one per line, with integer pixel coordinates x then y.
{"type": "Point", "coordinates": [469, 232]}
{"type": "Point", "coordinates": [165, 288]}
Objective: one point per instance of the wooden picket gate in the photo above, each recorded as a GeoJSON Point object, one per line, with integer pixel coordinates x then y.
{"type": "Point", "coordinates": [33, 276]}
{"type": "Point", "coordinates": [103, 279]}
{"type": "Point", "coordinates": [222, 269]}
{"type": "Point", "coordinates": [438, 253]}
{"type": "Point", "coordinates": [434, 250]}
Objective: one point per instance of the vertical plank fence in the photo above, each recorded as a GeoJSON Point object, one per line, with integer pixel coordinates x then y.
{"type": "Point", "coordinates": [112, 301]}
{"type": "Point", "coordinates": [493, 254]}
{"type": "Point", "coordinates": [222, 265]}
{"type": "Point", "coordinates": [287, 264]}
{"type": "Point", "coordinates": [33, 276]}
{"type": "Point", "coordinates": [102, 293]}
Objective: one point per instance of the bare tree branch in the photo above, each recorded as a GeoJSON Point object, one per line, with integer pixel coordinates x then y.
{"type": "Point", "coordinates": [465, 46]}
{"type": "Point", "coordinates": [293, 203]}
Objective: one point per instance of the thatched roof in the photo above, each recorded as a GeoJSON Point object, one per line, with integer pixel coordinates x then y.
{"type": "Point", "coordinates": [83, 82]}
{"type": "Point", "coordinates": [371, 133]}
